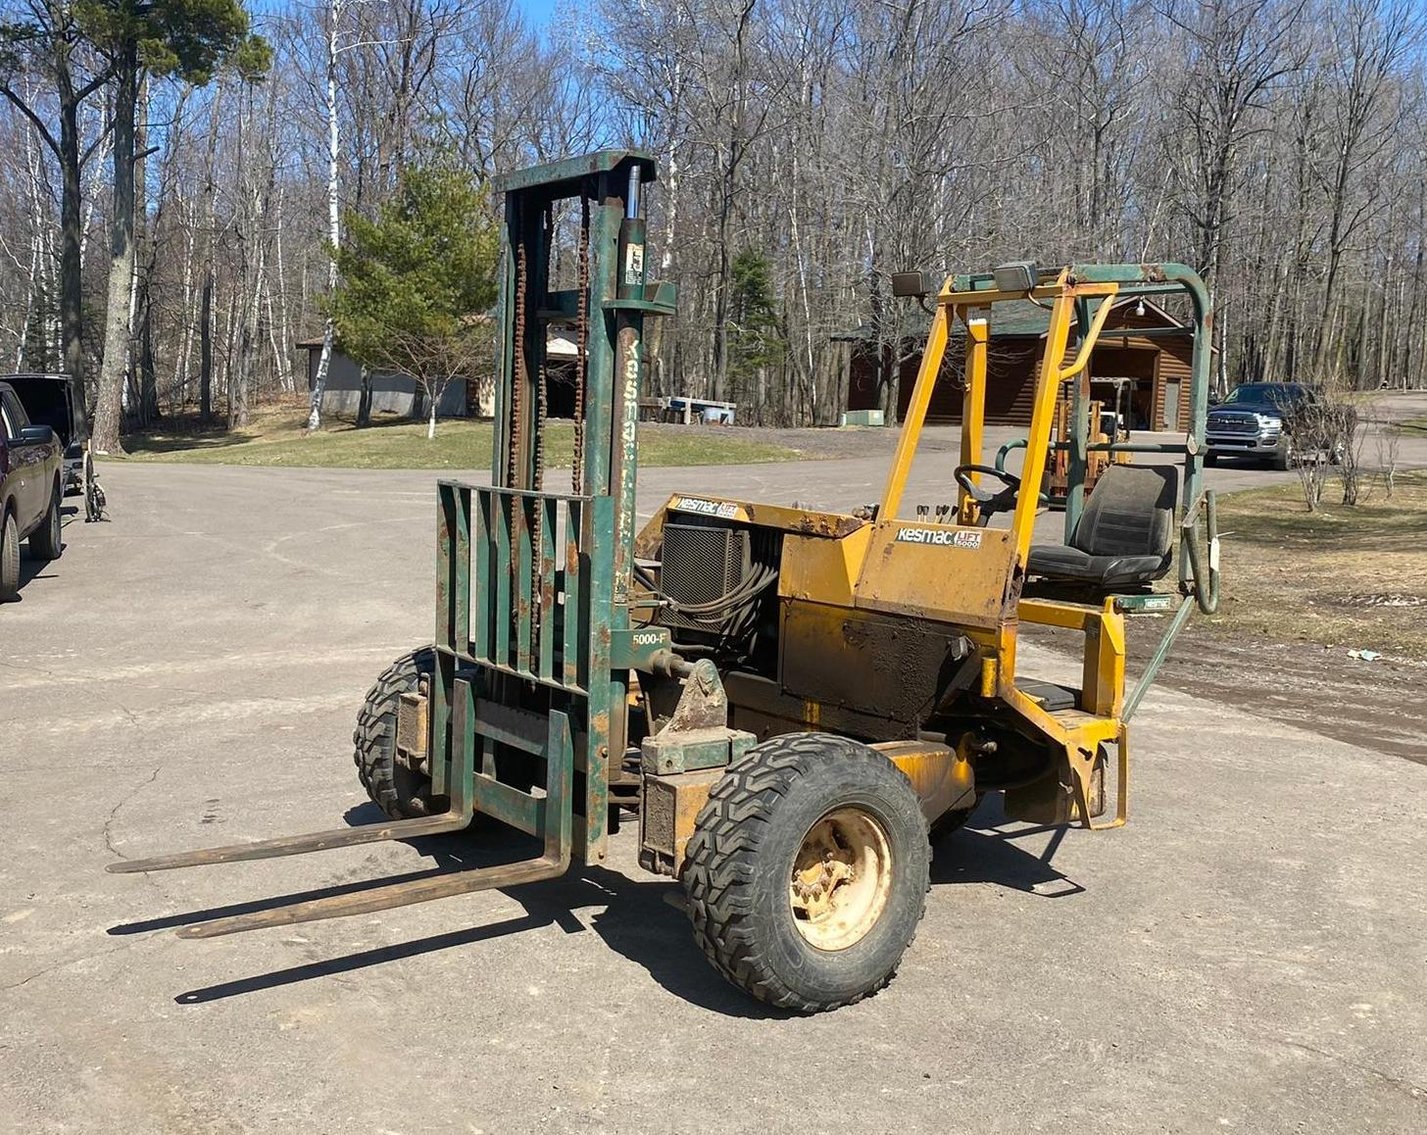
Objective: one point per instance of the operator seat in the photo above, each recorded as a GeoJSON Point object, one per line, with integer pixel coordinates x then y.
{"type": "Point", "coordinates": [1124, 536]}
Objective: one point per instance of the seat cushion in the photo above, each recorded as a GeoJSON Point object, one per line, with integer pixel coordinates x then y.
{"type": "Point", "coordinates": [1056, 561]}
{"type": "Point", "coordinates": [1130, 512]}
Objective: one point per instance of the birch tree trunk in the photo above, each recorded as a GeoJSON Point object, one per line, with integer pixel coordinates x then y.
{"type": "Point", "coordinates": [210, 255]}
{"type": "Point", "coordinates": [334, 218]}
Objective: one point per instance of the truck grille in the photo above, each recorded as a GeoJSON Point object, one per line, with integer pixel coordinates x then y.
{"type": "Point", "coordinates": [1233, 423]}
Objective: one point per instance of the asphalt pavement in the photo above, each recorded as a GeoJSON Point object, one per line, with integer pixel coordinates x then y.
{"type": "Point", "coordinates": [1249, 953]}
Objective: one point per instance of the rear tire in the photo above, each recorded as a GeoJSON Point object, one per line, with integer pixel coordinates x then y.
{"type": "Point", "coordinates": [807, 872]}
{"type": "Point", "coordinates": [46, 541]}
{"type": "Point", "coordinates": [9, 560]}
{"type": "Point", "coordinates": [394, 787]}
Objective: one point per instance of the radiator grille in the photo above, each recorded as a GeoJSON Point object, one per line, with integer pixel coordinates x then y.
{"type": "Point", "coordinates": [702, 563]}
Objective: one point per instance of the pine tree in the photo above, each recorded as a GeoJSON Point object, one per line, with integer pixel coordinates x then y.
{"type": "Point", "coordinates": [418, 281]}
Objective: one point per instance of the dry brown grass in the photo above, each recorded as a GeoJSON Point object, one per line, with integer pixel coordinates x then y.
{"type": "Point", "coordinates": [1349, 577]}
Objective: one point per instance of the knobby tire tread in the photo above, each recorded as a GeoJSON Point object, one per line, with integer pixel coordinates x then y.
{"type": "Point", "coordinates": [375, 735]}
{"type": "Point", "coordinates": [721, 862]}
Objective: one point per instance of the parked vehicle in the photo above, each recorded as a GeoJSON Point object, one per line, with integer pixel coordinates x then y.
{"type": "Point", "coordinates": [31, 485]}
{"type": "Point", "coordinates": [1250, 423]}
{"type": "Point", "coordinates": [54, 400]}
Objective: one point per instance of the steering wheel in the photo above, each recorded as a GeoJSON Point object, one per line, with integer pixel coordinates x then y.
{"type": "Point", "coordinates": [990, 502]}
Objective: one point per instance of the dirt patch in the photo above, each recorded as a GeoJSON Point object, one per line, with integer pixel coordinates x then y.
{"type": "Point", "coordinates": [1393, 599]}
{"type": "Point", "coordinates": [1374, 705]}
{"type": "Point", "coordinates": [1301, 593]}
{"type": "Point", "coordinates": [1341, 578]}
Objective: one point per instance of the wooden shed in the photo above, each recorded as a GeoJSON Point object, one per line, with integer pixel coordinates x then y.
{"type": "Point", "coordinates": [402, 394]}
{"type": "Point", "coordinates": [1157, 362]}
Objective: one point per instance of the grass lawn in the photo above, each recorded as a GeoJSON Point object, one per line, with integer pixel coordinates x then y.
{"type": "Point", "coordinates": [277, 436]}
{"type": "Point", "coordinates": [1349, 577]}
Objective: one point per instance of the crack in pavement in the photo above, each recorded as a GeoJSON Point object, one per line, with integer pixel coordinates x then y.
{"type": "Point", "coordinates": [1400, 1083]}
{"type": "Point", "coordinates": [95, 690]}
{"type": "Point", "coordinates": [114, 811]}
{"type": "Point", "coordinates": [61, 965]}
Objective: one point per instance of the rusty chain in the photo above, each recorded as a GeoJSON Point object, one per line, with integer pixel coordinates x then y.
{"type": "Point", "coordinates": [542, 391]}
{"type": "Point", "coordinates": [582, 331]}
{"type": "Point", "coordinates": [517, 396]}
{"type": "Point", "coordinates": [542, 404]}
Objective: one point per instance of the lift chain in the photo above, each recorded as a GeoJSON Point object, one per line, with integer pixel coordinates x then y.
{"type": "Point", "coordinates": [582, 334]}
{"type": "Point", "coordinates": [542, 394]}
{"type": "Point", "coordinates": [542, 400]}
{"type": "Point", "coordinates": [517, 395]}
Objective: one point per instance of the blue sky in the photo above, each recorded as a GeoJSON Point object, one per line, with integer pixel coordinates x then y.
{"type": "Point", "coordinates": [539, 11]}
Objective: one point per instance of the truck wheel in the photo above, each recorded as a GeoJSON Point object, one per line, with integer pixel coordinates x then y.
{"type": "Point", "coordinates": [9, 559]}
{"type": "Point", "coordinates": [807, 871]}
{"type": "Point", "coordinates": [397, 789]}
{"type": "Point", "coordinates": [45, 541]}
{"type": "Point", "coordinates": [1283, 459]}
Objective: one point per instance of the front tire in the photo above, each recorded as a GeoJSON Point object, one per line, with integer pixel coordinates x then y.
{"type": "Point", "coordinates": [9, 559]}
{"type": "Point", "coordinates": [46, 541]}
{"type": "Point", "coordinates": [807, 871]}
{"type": "Point", "coordinates": [397, 789]}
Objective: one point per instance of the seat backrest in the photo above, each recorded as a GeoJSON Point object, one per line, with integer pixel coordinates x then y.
{"type": "Point", "coordinates": [1130, 512]}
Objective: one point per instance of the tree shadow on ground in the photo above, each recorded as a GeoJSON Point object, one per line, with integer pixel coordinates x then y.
{"type": "Point", "coordinates": [640, 920]}
{"type": "Point", "coordinates": [214, 437]}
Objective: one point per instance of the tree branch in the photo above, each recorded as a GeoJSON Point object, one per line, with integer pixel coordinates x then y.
{"type": "Point", "coordinates": [35, 120]}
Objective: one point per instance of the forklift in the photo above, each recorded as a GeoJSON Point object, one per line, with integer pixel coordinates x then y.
{"type": "Point", "coordinates": [793, 702]}
{"type": "Point", "coordinates": [1105, 426]}
{"type": "Point", "coordinates": [1106, 431]}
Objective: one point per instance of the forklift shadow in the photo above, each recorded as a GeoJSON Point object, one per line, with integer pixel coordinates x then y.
{"type": "Point", "coordinates": [640, 921]}
{"type": "Point", "coordinates": [991, 848]}
{"type": "Point", "coordinates": [633, 918]}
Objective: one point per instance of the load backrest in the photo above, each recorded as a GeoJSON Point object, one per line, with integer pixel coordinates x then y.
{"type": "Point", "coordinates": [1130, 512]}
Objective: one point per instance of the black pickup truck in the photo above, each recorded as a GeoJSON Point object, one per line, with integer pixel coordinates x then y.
{"type": "Point", "coordinates": [31, 485]}
{"type": "Point", "coordinates": [55, 400]}
{"type": "Point", "coordinates": [1254, 421]}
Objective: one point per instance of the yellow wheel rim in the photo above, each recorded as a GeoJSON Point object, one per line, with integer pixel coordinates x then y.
{"type": "Point", "coordinates": [841, 879]}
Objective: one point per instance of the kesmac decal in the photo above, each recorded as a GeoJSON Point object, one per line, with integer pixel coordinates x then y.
{"type": "Point", "coordinates": [941, 537]}
{"type": "Point", "coordinates": [725, 509]}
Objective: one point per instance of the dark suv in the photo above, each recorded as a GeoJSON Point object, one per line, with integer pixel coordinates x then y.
{"type": "Point", "coordinates": [1250, 422]}
{"type": "Point", "coordinates": [30, 489]}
